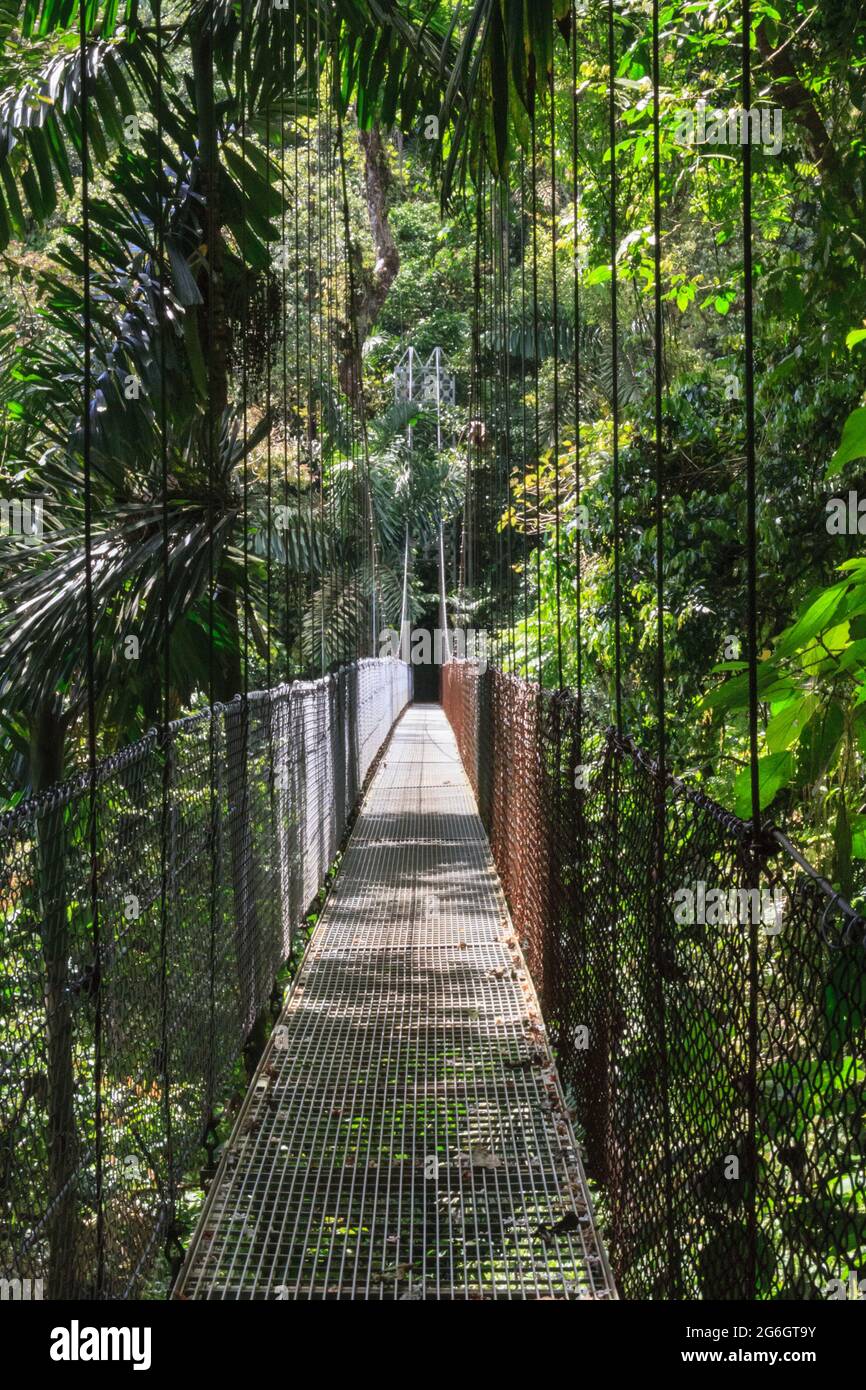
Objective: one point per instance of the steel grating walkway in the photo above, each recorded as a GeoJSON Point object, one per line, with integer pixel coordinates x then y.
{"type": "Point", "coordinates": [405, 1135]}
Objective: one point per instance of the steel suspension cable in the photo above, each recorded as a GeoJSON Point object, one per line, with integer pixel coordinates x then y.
{"type": "Point", "coordinates": [493, 413]}
{"type": "Point", "coordinates": [614, 362]}
{"type": "Point", "coordinates": [90, 649]}
{"type": "Point", "coordinates": [165, 624]}
{"type": "Point", "coordinates": [337, 492]}
{"type": "Point", "coordinates": [268, 444]}
{"type": "Point", "coordinates": [310, 410]}
{"type": "Point", "coordinates": [658, 386]}
{"type": "Point", "coordinates": [498, 232]}
{"type": "Point", "coordinates": [555, 316]}
{"type": "Point", "coordinates": [328, 492]}
{"type": "Point", "coordinates": [351, 487]}
{"type": "Point", "coordinates": [505, 218]}
{"type": "Point", "coordinates": [524, 415]}
{"type": "Point", "coordinates": [370, 516]}
{"type": "Point", "coordinates": [321, 329]}
{"type": "Point", "coordinates": [752, 641]}
{"type": "Point", "coordinates": [300, 588]}
{"type": "Point", "coordinates": [578, 546]}
{"type": "Point", "coordinates": [245, 487]}
{"type": "Point", "coordinates": [404, 602]}
{"type": "Point", "coordinates": [536, 351]}
{"type": "Point", "coordinates": [749, 403]}
{"type": "Point", "coordinates": [661, 778]}
{"type": "Point", "coordinates": [210, 1123]}
{"type": "Point", "coordinates": [475, 426]}
{"type": "Point", "coordinates": [284, 337]}
{"type": "Point", "coordinates": [210, 444]}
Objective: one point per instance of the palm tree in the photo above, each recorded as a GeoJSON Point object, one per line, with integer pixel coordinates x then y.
{"type": "Point", "coordinates": [168, 257]}
{"type": "Point", "coordinates": [412, 488]}
{"type": "Point", "coordinates": [182, 214]}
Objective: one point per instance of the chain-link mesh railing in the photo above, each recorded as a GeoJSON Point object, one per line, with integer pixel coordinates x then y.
{"type": "Point", "coordinates": [707, 998]}
{"type": "Point", "coordinates": [211, 845]}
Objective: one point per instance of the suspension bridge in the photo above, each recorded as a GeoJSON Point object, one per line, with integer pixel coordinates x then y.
{"type": "Point", "coordinates": [486, 1060]}
{"type": "Point", "coordinates": [405, 1135]}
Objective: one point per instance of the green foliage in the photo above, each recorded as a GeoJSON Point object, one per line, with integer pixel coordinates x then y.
{"type": "Point", "coordinates": [185, 220]}
{"type": "Point", "coordinates": [810, 305]}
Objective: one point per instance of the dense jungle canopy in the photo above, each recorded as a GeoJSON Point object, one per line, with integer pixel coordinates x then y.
{"type": "Point", "coordinates": [319, 188]}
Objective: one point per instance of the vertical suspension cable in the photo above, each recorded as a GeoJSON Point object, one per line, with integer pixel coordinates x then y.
{"type": "Point", "coordinates": [535, 386]}
{"type": "Point", "coordinates": [284, 340]}
{"type": "Point", "coordinates": [658, 368]}
{"type": "Point", "coordinates": [505, 216]}
{"type": "Point", "coordinates": [245, 674]}
{"type": "Point", "coordinates": [300, 587]}
{"type": "Point", "coordinates": [268, 445]}
{"type": "Point", "coordinates": [751, 479]}
{"type": "Point", "coordinates": [351, 486]}
{"type": "Point", "coordinates": [476, 425]}
{"type": "Point", "coordinates": [477, 494]}
{"type": "Point", "coordinates": [494, 415]}
{"type": "Point", "coordinates": [524, 415]}
{"type": "Point", "coordinates": [501, 408]}
{"type": "Point", "coordinates": [661, 776]}
{"type": "Point", "coordinates": [327, 373]}
{"type": "Point", "coordinates": [370, 516]}
{"type": "Point", "coordinates": [336, 492]}
{"type": "Point", "coordinates": [443, 600]}
{"type": "Point", "coordinates": [270, 293]}
{"type": "Point", "coordinates": [321, 328]}
{"type": "Point", "coordinates": [614, 362]}
{"type": "Point", "coordinates": [310, 412]}
{"type": "Point", "coordinates": [165, 623]}
{"type": "Point", "coordinates": [210, 446]}
{"type": "Point", "coordinates": [404, 603]}
{"type": "Point", "coordinates": [752, 639]}
{"type": "Point", "coordinates": [555, 316]}
{"type": "Point", "coordinates": [578, 547]}
{"type": "Point", "coordinates": [491, 413]}
{"type": "Point", "coordinates": [356, 541]}
{"type": "Point", "coordinates": [90, 648]}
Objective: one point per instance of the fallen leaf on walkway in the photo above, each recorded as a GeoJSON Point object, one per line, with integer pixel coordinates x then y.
{"type": "Point", "coordinates": [483, 1158]}
{"type": "Point", "coordinates": [566, 1223]}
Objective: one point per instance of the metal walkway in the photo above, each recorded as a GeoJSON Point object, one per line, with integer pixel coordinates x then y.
{"type": "Point", "coordinates": [405, 1135]}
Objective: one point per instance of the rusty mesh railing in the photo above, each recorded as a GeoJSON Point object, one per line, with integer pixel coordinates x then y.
{"type": "Point", "coordinates": [113, 1060]}
{"type": "Point", "coordinates": [707, 1004]}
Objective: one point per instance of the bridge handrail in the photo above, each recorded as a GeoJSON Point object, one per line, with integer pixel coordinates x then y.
{"type": "Point", "coordinates": [116, 1064]}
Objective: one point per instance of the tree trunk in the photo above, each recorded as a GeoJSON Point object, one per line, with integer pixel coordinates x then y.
{"type": "Point", "coordinates": [371, 290]}
{"type": "Point", "coordinates": [790, 93]}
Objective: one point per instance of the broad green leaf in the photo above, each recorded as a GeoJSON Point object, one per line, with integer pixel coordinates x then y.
{"type": "Point", "coordinates": [774, 772]}
{"type": "Point", "coordinates": [818, 745]}
{"type": "Point", "coordinates": [598, 275]}
{"type": "Point", "coordinates": [817, 617]}
{"type": "Point", "coordinates": [853, 443]}
{"type": "Point", "coordinates": [787, 727]}
{"type": "Point", "coordinates": [837, 638]}
{"type": "Point", "coordinates": [858, 837]}
{"type": "Point", "coordinates": [734, 694]}
{"type": "Point", "coordinates": [854, 656]}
